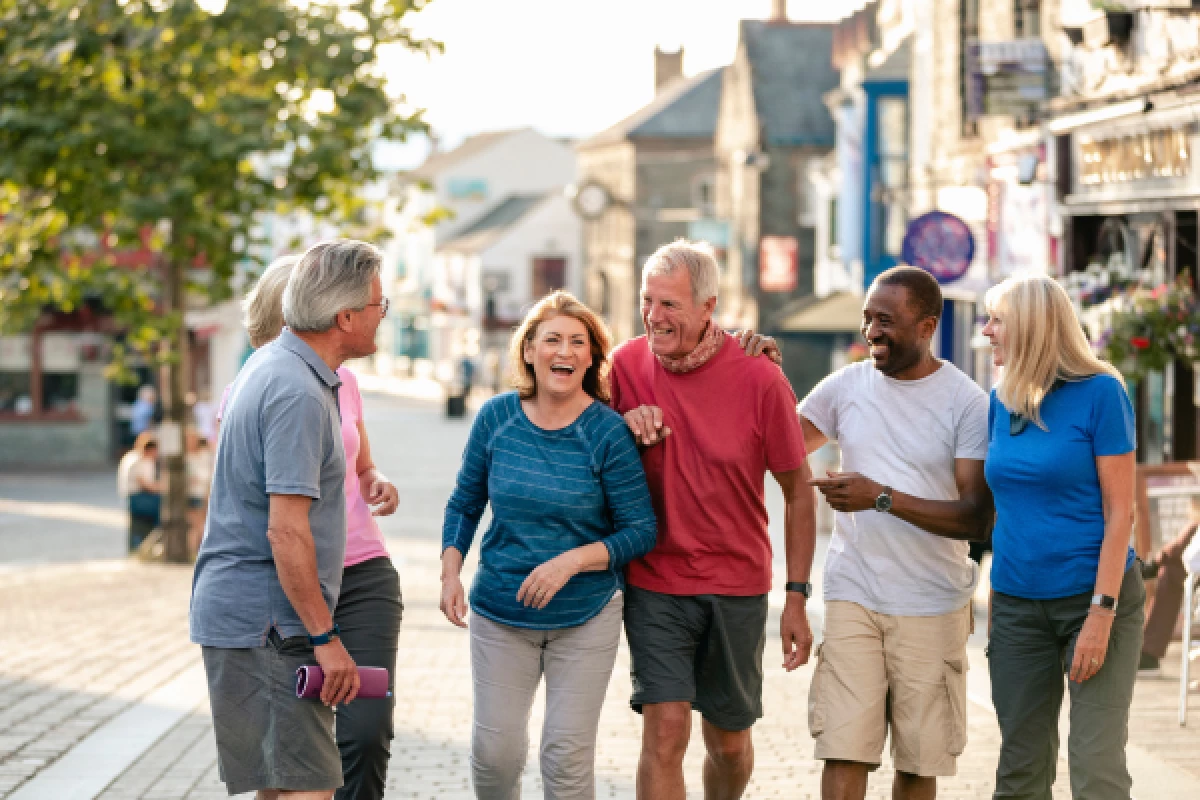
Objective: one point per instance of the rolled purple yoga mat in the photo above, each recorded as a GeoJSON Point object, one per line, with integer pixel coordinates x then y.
{"type": "Point", "coordinates": [373, 683]}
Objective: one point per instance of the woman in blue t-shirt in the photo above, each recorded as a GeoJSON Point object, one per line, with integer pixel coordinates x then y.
{"type": "Point", "coordinates": [570, 508]}
{"type": "Point", "coordinates": [1066, 595]}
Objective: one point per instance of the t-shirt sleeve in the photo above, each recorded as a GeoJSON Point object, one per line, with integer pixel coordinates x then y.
{"type": "Point", "coordinates": [783, 436]}
{"type": "Point", "coordinates": [1114, 429]}
{"type": "Point", "coordinates": [295, 433]}
{"type": "Point", "coordinates": [820, 407]}
{"type": "Point", "coordinates": [971, 438]}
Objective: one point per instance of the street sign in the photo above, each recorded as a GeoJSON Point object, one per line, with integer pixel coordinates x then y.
{"type": "Point", "coordinates": [939, 243]}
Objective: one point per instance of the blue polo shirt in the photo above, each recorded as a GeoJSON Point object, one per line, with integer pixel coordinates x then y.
{"type": "Point", "coordinates": [280, 434]}
{"type": "Point", "coordinates": [1049, 508]}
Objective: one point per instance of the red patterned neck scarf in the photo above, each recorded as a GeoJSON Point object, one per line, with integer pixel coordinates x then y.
{"type": "Point", "coordinates": [710, 343]}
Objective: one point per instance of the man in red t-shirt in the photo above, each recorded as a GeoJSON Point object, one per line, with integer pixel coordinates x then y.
{"type": "Point", "coordinates": [713, 421]}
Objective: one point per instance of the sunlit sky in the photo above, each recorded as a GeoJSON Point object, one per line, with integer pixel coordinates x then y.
{"type": "Point", "coordinates": [565, 67]}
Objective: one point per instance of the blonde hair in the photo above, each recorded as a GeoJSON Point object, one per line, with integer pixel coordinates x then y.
{"type": "Point", "coordinates": [1044, 342]}
{"type": "Point", "coordinates": [263, 307]}
{"type": "Point", "coordinates": [698, 258]}
{"type": "Point", "coordinates": [560, 303]}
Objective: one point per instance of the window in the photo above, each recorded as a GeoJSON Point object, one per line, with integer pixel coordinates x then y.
{"type": "Point", "coordinates": [1027, 20]}
{"type": "Point", "coordinates": [548, 274]}
{"type": "Point", "coordinates": [48, 384]}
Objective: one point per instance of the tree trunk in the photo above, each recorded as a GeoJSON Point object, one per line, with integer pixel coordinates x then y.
{"type": "Point", "coordinates": [175, 421]}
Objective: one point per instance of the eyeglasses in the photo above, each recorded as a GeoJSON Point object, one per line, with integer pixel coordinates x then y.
{"type": "Point", "coordinates": [383, 304]}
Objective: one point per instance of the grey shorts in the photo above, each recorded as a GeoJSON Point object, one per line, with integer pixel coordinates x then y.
{"type": "Point", "coordinates": [706, 650]}
{"type": "Point", "coordinates": [267, 738]}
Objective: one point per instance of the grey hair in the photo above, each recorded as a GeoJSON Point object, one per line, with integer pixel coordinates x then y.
{"type": "Point", "coordinates": [262, 310]}
{"type": "Point", "coordinates": [329, 278]}
{"type": "Point", "coordinates": [698, 258]}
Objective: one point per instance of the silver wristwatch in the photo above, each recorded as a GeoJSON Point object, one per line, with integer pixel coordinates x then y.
{"type": "Point", "coordinates": [883, 503]}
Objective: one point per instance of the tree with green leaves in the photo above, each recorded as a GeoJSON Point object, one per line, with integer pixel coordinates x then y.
{"type": "Point", "coordinates": [176, 125]}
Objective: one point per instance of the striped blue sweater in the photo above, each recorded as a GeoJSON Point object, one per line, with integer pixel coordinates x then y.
{"type": "Point", "coordinates": [551, 491]}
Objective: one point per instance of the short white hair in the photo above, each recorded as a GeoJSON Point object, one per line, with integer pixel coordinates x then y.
{"type": "Point", "coordinates": [329, 278]}
{"type": "Point", "coordinates": [697, 258]}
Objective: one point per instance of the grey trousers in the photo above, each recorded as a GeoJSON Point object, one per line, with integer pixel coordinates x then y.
{"type": "Point", "coordinates": [1030, 650]}
{"type": "Point", "coordinates": [507, 664]}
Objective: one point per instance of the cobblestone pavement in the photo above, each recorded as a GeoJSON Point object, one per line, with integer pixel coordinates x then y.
{"type": "Point", "coordinates": [85, 645]}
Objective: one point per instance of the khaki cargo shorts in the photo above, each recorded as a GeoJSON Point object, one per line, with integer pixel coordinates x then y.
{"type": "Point", "coordinates": [875, 670]}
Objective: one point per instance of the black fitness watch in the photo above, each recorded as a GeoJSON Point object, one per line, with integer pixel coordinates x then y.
{"type": "Point", "coordinates": [795, 586]}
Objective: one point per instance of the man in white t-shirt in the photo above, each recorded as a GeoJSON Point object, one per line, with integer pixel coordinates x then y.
{"type": "Point", "coordinates": [898, 580]}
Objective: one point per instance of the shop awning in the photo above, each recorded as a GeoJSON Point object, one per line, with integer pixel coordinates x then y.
{"type": "Point", "coordinates": [840, 312]}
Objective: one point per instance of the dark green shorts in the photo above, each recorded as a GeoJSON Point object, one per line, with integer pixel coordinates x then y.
{"type": "Point", "coordinates": [701, 649]}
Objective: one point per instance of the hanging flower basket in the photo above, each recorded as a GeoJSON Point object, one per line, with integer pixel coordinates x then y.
{"type": "Point", "coordinates": [1151, 327]}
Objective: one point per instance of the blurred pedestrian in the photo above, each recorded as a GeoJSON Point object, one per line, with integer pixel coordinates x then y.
{"type": "Point", "coordinates": [1067, 595]}
{"type": "Point", "coordinates": [270, 567]}
{"type": "Point", "coordinates": [1164, 603]}
{"type": "Point", "coordinates": [138, 482]}
{"type": "Point", "coordinates": [369, 608]}
{"type": "Point", "coordinates": [898, 578]}
{"type": "Point", "coordinates": [144, 410]}
{"type": "Point", "coordinates": [199, 476]}
{"type": "Point", "coordinates": [714, 420]}
{"type": "Point", "coordinates": [570, 508]}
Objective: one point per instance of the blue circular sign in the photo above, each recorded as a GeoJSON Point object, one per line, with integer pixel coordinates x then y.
{"type": "Point", "coordinates": [939, 243]}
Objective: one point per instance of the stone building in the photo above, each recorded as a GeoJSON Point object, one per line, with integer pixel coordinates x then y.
{"type": "Point", "coordinates": [647, 180]}
{"type": "Point", "coordinates": [772, 127]}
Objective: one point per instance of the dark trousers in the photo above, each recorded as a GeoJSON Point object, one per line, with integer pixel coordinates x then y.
{"type": "Point", "coordinates": [1030, 649]}
{"type": "Point", "coordinates": [1163, 607]}
{"type": "Point", "coordinates": [368, 613]}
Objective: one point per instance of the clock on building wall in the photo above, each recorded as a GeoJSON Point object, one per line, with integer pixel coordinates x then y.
{"type": "Point", "coordinates": [592, 200]}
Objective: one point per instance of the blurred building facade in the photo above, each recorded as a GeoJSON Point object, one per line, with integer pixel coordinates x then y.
{"type": "Point", "coordinates": [1061, 133]}
{"type": "Point", "coordinates": [494, 189]}
{"type": "Point", "coordinates": [648, 180]}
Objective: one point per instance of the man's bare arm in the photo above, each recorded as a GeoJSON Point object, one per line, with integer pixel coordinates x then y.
{"type": "Point", "coordinates": [800, 543]}
{"type": "Point", "coordinates": [295, 556]}
{"type": "Point", "coordinates": [296, 560]}
{"type": "Point", "coordinates": [814, 440]}
{"type": "Point", "coordinates": [968, 518]}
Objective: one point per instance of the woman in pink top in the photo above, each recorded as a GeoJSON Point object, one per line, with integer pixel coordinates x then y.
{"type": "Point", "coordinates": [369, 607]}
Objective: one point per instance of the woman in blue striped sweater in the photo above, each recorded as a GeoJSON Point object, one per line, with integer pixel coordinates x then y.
{"type": "Point", "coordinates": [570, 508]}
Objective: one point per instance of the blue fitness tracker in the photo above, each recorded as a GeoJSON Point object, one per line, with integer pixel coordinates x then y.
{"type": "Point", "coordinates": [324, 638]}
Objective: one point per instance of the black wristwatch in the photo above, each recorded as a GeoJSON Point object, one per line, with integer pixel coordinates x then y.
{"type": "Point", "coordinates": [326, 637]}
{"type": "Point", "coordinates": [1105, 601]}
{"type": "Point", "coordinates": [795, 586]}
{"type": "Point", "coordinates": [883, 503]}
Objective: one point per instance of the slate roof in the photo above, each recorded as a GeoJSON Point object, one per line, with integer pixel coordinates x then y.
{"type": "Point", "coordinates": [792, 65]}
{"type": "Point", "coordinates": [485, 231]}
{"type": "Point", "coordinates": [472, 145]}
{"type": "Point", "coordinates": [685, 109]}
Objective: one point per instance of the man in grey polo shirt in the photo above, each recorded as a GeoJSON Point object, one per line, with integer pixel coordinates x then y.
{"type": "Point", "coordinates": [269, 570]}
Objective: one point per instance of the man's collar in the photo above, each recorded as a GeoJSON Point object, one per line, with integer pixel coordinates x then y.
{"type": "Point", "coordinates": [292, 342]}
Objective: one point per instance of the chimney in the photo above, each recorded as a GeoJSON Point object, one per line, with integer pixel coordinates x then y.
{"type": "Point", "coordinates": [668, 67]}
{"type": "Point", "coordinates": [779, 11]}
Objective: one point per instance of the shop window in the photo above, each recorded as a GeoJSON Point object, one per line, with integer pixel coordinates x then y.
{"type": "Point", "coordinates": [39, 374]}
{"type": "Point", "coordinates": [16, 392]}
